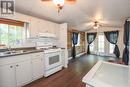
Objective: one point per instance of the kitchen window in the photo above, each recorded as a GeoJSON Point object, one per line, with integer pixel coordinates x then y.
{"type": "Point", "coordinates": [12, 33]}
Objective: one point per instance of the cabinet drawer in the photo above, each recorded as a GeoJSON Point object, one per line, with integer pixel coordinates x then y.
{"type": "Point", "coordinates": [37, 55]}
{"type": "Point", "coordinates": [14, 59]}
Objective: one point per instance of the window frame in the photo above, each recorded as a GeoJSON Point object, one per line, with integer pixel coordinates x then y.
{"type": "Point", "coordinates": [21, 40]}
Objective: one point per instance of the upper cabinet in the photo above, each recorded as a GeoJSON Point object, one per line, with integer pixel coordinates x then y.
{"type": "Point", "coordinates": [38, 26]}
{"type": "Point", "coordinates": [33, 27]}
{"type": "Point", "coordinates": [43, 26]}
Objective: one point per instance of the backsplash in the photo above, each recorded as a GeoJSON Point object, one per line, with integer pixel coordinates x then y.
{"type": "Point", "coordinates": [35, 42]}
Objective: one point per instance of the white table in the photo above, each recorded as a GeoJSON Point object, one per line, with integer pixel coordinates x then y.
{"type": "Point", "coordinates": [105, 74]}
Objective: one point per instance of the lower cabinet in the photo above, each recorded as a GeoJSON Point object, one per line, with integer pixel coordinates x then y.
{"type": "Point", "coordinates": [23, 73]}
{"type": "Point", "coordinates": [19, 73]}
{"type": "Point", "coordinates": [7, 76]}
{"type": "Point", "coordinates": [37, 66]}
{"type": "Point", "coordinates": [15, 75]}
{"type": "Point", "coordinates": [63, 57]}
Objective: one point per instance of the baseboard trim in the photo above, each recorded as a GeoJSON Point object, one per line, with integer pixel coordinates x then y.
{"type": "Point", "coordinates": [78, 55]}
{"type": "Point", "coordinates": [70, 58]}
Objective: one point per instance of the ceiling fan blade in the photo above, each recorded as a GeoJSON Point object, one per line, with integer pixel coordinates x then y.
{"type": "Point", "coordinates": [89, 24]}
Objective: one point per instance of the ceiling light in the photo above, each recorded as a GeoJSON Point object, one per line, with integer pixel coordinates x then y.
{"type": "Point", "coordinates": [59, 4]}
{"type": "Point", "coordinates": [95, 27]}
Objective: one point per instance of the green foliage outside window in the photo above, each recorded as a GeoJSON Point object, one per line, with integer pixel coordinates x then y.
{"type": "Point", "coordinates": [11, 35]}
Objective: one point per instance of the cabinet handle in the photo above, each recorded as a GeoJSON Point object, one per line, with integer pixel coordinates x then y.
{"type": "Point", "coordinates": [17, 65]}
{"type": "Point", "coordinates": [11, 66]}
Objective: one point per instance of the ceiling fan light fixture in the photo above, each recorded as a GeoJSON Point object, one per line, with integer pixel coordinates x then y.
{"type": "Point", "coordinates": [95, 27]}
{"type": "Point", "coordinates": [59, 4]}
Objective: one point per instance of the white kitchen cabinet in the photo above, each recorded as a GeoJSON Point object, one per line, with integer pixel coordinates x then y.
{"type": "Point", "coordinates": [37, 65]}
{"type": "Point", "coordinates": [7, 76]}
{"type": "Point", "coordinates": [52, 27]}
{"type": "Point", "coordinates": [46, 26]}
{"type": "Point", "coordinates": [63, 57]}
{"type": "Point", "coordinates": [15, 71]}
{"type": "Point", "coordinates": [33, 27]}
{"type": "Point", "coordinates": [16, 74]}
{"type": "Point", "coordinates": [23, 72]}
{"type": "Point", "coordinates": [43, 26]}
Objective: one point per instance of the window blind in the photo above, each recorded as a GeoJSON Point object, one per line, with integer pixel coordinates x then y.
{"type": "Point", "coordinates": [11, 22]}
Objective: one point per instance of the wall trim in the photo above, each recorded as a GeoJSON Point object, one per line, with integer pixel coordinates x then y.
{"type": "Point", "coordinates": [78, 55]}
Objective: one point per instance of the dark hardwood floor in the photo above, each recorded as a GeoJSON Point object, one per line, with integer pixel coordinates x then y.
{"type": "Point", "coordinates": [72, 76]}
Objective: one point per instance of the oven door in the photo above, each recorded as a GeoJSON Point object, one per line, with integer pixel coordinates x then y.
{"type": "Point", "coordinates": [52, 60]}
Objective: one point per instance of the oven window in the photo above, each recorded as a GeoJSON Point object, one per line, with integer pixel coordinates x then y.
{"type": "Point", "coordinates": [54, 59]}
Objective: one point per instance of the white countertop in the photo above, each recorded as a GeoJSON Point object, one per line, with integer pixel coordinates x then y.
{"type": "Point", "coordinates": [105, 74]}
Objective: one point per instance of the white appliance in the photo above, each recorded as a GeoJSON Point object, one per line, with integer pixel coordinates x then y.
{"type": "Point", "coordinates": [52, 57]}
{"type": "Point", "coordinates": [52, 61]}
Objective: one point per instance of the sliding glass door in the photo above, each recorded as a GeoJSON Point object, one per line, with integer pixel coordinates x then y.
{"type": "Point", "coordinates": [101, 46]}
{"type": "Point", "coordinates": [101, 43]}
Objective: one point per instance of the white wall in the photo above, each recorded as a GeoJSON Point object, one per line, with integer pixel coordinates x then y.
{"type": "Point", "coordinates": [120, 38]}
{"type": "Point", "coordinates": [63, 41]}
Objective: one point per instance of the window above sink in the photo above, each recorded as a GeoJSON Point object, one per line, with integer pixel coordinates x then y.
{"type": "Point", "coordinates": [12, 32]}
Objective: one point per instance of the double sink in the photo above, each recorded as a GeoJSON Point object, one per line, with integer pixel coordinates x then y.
{"type": "Point", "coordinates": [17, 52]}
{"type": "Point", "coordinates": [12, 52]}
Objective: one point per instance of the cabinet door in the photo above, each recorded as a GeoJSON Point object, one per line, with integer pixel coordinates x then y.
{"type": "Point", "coordinates": [42, 26]}
{"type": "Point", "coordinates": [33, 27]}
{"type": "Point", "coordinates": [23, 73]}
{"type": "Point", "coordinates": [7, 76]}
{"type": "Point", "coordinates": [37, 67]}
{"type": "Point", "coordinates": [63, 57]}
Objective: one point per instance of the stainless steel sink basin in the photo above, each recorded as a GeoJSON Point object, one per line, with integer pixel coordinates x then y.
{"type": "Point", "coordinates": [12, 52]}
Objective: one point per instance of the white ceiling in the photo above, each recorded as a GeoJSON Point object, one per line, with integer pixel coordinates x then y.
{"type": "Point", "coordinates": [78, 15]}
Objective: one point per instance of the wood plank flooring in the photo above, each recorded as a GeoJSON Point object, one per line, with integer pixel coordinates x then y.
{"type": "Point", "coordinates": [72, 76]}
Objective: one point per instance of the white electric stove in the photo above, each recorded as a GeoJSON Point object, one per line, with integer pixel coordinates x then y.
{"type": "Point", "coordinates": [52, 59]}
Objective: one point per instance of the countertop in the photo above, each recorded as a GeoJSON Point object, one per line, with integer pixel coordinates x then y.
{"type": "Point", "coordinates": [105, 74]}
{"type": "Point", "coordinates": [22, 53]}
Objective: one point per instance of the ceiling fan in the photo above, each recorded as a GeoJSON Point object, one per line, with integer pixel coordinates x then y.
{"type": "Point", "coordinates": [60, 3]}
{"type": "Point", "coordinates": [96, 25]}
